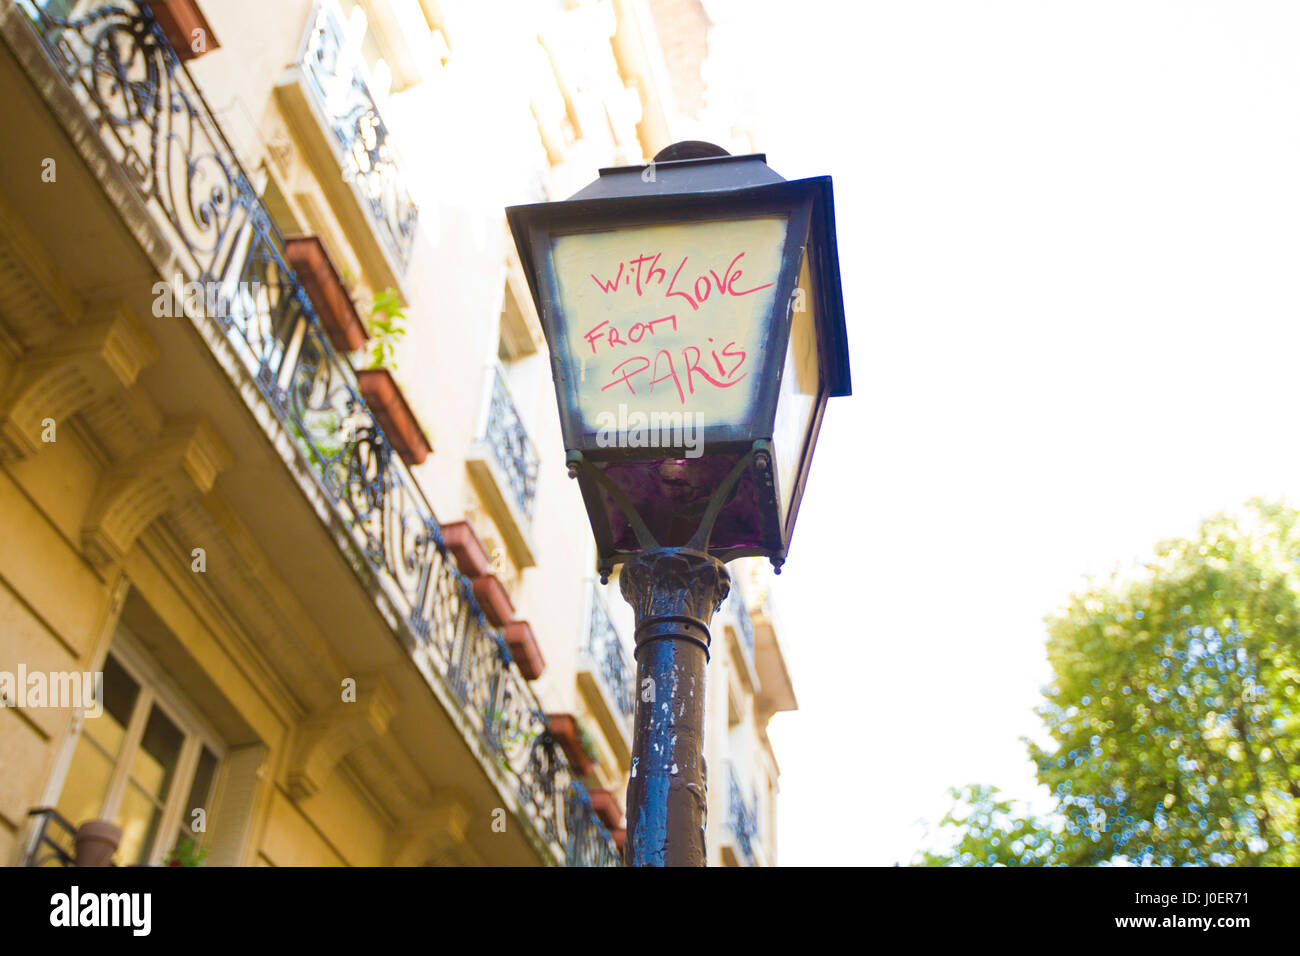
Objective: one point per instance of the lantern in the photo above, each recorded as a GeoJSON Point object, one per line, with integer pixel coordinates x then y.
{"type": "Point", "coordinates": [693, 312]}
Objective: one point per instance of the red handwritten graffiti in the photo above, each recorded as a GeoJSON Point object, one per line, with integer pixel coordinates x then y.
{"type": "Point", "coordinates": [627, 371]}
{"type": "Point", "coordinates": [635, 333]}
{"type": "Point", "coordinates": [645, 273]}
{"type": "Point", "coordinates": [685, 369]}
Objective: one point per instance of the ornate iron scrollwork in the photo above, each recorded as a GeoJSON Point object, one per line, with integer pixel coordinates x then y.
{"type": "Point", "coordinates": [153, 119]}
{"type": "Point", "coordinates": [605, 649]}
{"type": "Point", "coordinates": [365, 145]}
{"type": "Point", "coordinates": [740, 818]}
{"type": "Point", "coordinates": [511, 446]}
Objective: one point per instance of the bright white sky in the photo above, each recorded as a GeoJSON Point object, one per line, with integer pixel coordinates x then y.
{"type": "Point", "coordinates": [1070, 239]}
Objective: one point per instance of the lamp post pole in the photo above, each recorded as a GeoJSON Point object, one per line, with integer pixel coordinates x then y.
{"type": "Point", "coordinates": [777, 334]}
{"type": "Point", "coordinates": [674, 593]}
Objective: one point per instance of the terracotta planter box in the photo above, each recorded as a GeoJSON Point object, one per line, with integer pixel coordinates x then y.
{"type": "Point", "coordinates": [179, 19]}
{"type": "Point", "coordinates": [394, 415]}
{"type": "Point", "coordinates": [312, 265]}
{"type": "Point", "coordinates": [603, 802]}
{"type": "Point", "coordinates": [524, 649]}
{"type": "Point", "coordinates": [97, 841]}
{"type": "Point", "coordinates": [493, 599]}
{"type": "Point", "coordinates": [564, 730]}
{"type": "Point", "coordinates": [464, 545]}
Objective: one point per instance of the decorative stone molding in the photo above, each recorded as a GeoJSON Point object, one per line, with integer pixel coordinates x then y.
{"type": "Point", "coordinates": [327, 736]}
{"type": "Point", "coordinates": [36, 303]}
{"type": "Point", "coordinates": [435, 834]}
{"type": "Point", "coordinates": [88, 365]}
{"type": "Point", "coordinates": [280, 146]}
{"type": "Point", "coordinates": [184, 461]}
{"type": "Point", "coordinates": [124, 426]}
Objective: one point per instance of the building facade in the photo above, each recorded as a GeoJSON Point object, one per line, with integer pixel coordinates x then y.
{"type": "Point", "coordinates": [280, 466]}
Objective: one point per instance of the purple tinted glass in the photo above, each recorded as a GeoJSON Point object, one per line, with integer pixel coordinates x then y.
{"type": "Point", "coordinates": [671, 494]}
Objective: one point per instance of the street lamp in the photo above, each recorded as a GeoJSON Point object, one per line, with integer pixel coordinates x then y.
{"type": "Point", "coordinates": [693, 312]}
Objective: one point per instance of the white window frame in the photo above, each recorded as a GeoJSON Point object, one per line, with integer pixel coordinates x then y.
{"type": "Point", "coordinates": [156, 689]}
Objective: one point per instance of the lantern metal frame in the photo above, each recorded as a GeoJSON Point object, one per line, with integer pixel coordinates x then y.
{"type": "Point", "coordinates": [698, 189]}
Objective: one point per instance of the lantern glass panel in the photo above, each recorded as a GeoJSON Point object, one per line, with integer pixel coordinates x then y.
{"type": "Point", "coordinates": [800, 384]}
{"type": "Point", "coordinates": [663, 320]}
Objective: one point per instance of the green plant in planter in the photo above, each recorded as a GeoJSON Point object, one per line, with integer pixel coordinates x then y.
{"type": "Point", "coordinates": [587, 742]}
{"type": "Point", "coordinates": [348, 278]}
{"type": "Point", "coordinates": [321, 451]}
{"type": "Point", "coordinates": [187, 853]}
{"type": "Point", "coordinates": [386, 327]}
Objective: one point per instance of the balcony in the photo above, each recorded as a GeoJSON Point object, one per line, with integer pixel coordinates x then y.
{"type": "Point", "coordinates": [138, 120]}
{"type": "Point", "coordinates": [740, 627]}
{"type": "Point", "coordinates": [607, 679]}
{"type": "Point", "coordinates": [54, 843]}
{"type": "Point", "coordinates": [329, 102]}
{"type": "Point", "coordinates": [775, 685]}
{"type": "Point", "coordinates": [740, 840]}
{"type": "Point", "coordinates": [503, 465]}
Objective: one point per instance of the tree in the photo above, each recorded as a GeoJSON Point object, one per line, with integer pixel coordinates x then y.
{"type": "Point", "coordinates": [1175, 713]}
{"type": "Point", "coordinates": [990, 831]}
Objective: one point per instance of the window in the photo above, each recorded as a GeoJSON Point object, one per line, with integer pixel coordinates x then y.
{"type": "Point", "coordinates": [366, 45]}
{"type": "Point", "coordinates": [144, 763]}
{"type": "Point", "coordinates": [524, 368]}
{"type": "Point", "coordinates": [520, 334]}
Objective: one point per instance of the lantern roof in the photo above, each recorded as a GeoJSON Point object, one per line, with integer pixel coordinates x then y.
{"type": "Point", "coordinates": [675, 176]}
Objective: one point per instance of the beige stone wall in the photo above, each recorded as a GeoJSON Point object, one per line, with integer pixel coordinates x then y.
{"type": "Point", "coordinates": [259, 642]}
{"type": "Point", "coordinates": [53, 614]}
{"type": "Point", "coordinates": [683, 29]}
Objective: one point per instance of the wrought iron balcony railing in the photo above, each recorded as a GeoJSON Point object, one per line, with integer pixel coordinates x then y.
{"type": "Point", "coordinates": [741, 819]}
{"type": "Point", "coordinates": [153, 119]}
{"type": "Point", "coordinates": [511, 446]}
{"type": "Point", "coordinates": [335, 75]}
{"type": "Point", "coordinates": [736, 600]}
{"type": "Point", "coordinates": [53, 844]}
{"type": "Point", "coordinates": [604, 648]}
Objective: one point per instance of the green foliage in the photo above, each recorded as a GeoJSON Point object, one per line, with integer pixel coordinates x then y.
{"type": "Point", "coordinates": [187, 853]}
{"type": "Point", "coordinates": [321, 451]}
{"type": "Point", "coordinates": [1175, 709]}
{"type": "Point", "coordinates": [512, 739]}
{"type": "Point", "coordinates": [348, 278]}
{"type": "Point", "coordinates": [587, 743]}
{"type": "Point", "coordinates": [988, 831]}
{"type": "Point", "coordinates": [386, 327]}
{"type": "Point", "coordinates": [510, 736]}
